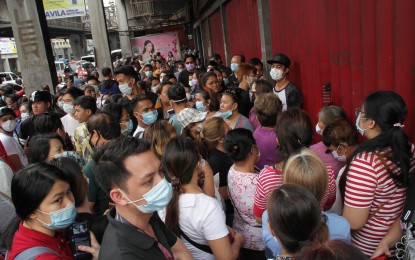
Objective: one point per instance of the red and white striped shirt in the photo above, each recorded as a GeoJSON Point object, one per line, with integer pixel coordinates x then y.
{"type": "Point", "coordinates": [369, 185]}
{"type": "Point", "coordinates": [269, 179]}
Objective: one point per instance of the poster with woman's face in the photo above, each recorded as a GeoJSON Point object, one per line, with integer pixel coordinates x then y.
{"type": "Point", "coordinates": [147, 46]}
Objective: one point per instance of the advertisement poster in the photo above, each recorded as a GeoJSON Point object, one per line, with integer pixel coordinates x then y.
{"type": "Point", "coordinates": [8, 46]}
{"type": "Point", "coordinates": [149, 45]}
{"type": "Point", "coordinates": [55, 9]}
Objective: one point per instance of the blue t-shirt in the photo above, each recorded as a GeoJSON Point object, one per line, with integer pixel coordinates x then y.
{"type": "Point", "coordinates": [109, 86]}
{"type": "Point", "coordinates": [339, 228]}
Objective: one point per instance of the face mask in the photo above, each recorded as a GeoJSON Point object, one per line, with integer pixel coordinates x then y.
{"type": "Point", "coordinates": [339, 158]}
{"type": "Point", "coordinates": [9, 125]}
{"type": "Point", "coordinates": [96, 89]}
{"type": "Point", "coordinates": [234, 66]}
{"type": "Point", "coordinates": [129, 128]}
{"type": "Point", "coordinates": [60, 104]}
{"type": "Point", "coordinates": [190, 66]}
{"type": "Point", "coordinates": [180, 70]}
{"type": "Point", "coordinates": [226, 114]}
{"type": "Point", "coordinates": [150, 117]}
{"type": "Point", "coordinates": [361, 131]}
{"type": "Point", "coordinates": [25, 115]}
{"type": "Point", "coordinates": [225, 81]}
{"type": "Point", "coordinates": [200, 106]}
{"type": "Point", "coordinates": [125, 89]}
{"type": "Point", "coordinates": [276, 74]}
{"type": "Point", "coordinates": [148, 73]}
{"type": "Point", "coordinates": [188, 96]}
{"type": "Point", "coordinates": [157, 198]}
{"type": "Point", "coordinates": [61, 219]}
{"type": "Point", "coordinates": [318, 130]}
{"type": "Point", "coordinates": [194, 82]}
{"type": "Point", "coordinates": [68, 108]}
{"type": "Point", "coordinates": [154, 89]}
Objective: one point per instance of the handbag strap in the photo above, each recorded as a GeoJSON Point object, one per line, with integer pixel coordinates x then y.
{"type": "Point", "coordinates": [382, 160]}
{"type": "Point", "coordinates": [32, 253]}
{"type": "Point", "coordinates": [204, 248]}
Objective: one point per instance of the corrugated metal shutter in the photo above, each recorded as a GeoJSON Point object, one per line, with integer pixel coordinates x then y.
{"type": "Point", "coordinates": [243, 27]}
{"type": "Point", "coordinates": [216, 33]}
{"type": "Point", "coordinates": [359, 46]}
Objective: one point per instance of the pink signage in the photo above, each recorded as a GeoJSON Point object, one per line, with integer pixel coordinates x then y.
{"type": "Point", "coordinates": [149, 45]}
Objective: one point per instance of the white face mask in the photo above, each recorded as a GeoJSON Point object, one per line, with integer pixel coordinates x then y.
{"type": "Point", "coordinates": [68, 108]}
{"type": "Point", "coordinates": [24, 115]}
{"type": "Point", "coordinates": [188, 96]}
{"type": "Point", "coordinates": [125, 89]}
{"type": "Point", "coordinates": [341, 158]}
{"type": "Point", "coordinates": [277, 74]}
{"type": "Point", "coordinates": [9, 125]}
{"type": "Point", "coordinates": [319, 130]}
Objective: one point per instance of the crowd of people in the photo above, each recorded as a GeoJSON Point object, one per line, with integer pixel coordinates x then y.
{"type": "Point", "coordinates": [176, 160]}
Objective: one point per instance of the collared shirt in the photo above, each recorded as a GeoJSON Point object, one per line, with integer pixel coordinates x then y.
{"type": "Point", "coordinates": [121, 241]}
{"type": "Point", "coordinates": [26, 238]}
{"type": "Point", "coordinates": [82, 145]}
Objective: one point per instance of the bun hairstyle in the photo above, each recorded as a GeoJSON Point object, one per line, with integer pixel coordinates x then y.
{"type": "Point", "coordinates": [295, 218]}
{"type": "Point", "coordinates": [238, 144]}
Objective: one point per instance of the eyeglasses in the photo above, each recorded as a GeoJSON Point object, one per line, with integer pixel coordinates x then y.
{"type": "Point", "coordinates": [359, 111]}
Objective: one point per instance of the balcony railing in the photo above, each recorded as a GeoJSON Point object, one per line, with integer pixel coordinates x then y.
{"type": "Point", "coordinates": [67, 23]}
{"type": "Point", "coordinates": [141, 8]}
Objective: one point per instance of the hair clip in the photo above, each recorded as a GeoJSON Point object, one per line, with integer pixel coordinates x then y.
{"type": "Point", "coordinates": [399, 125]}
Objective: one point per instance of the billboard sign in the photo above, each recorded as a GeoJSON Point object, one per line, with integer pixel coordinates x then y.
{"type": "Point", "coordinates": [55, 9]}
{"type": "Point", "coordinates": [8, 46]}
{"type": "Point", "coordinates": [149, 45]}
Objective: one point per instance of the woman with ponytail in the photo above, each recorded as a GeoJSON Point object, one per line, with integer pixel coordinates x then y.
{"type": "Point", "coordinates": [295, 220]}
{"type": "Point", "coordinates": [195, 217]}
{"type": "Point", "coordinates": [377, 175]}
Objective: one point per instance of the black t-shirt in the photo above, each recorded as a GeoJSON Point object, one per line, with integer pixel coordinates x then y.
{"type": "Point", "coordinates": [184, 77]}
{"type": "Point", "coordinates": [122, 241]}
{"type": "Point", "coordinates": [220, 162]}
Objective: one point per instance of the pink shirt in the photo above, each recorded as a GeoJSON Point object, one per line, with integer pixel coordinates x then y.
{"type": "Point", "coordinates": [327, 158]}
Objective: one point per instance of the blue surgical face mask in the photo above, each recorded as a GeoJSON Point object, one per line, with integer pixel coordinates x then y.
{"type": "Point", "coordinates": [157, 198]}
{"type": "Point", "coordinates": [129, 128]}
{"type": "Point", "coordinates": [125, 89]}
{"type": "Point", "coordinates": [226, 114]}
{"type": "Point", "coordinates": [200, 106]}
{"type": "Point", "coordinates": [60, 104]}
{"type": "Point", "coordinates": [61, 219]}
{"type": "Point", "coordinates": [234, 66]}
{"type": "Point", "coordinates": [148, 73]}
{"type": "Point", "coordinates": [150, 117]}
{"type": "Point", "coordinates": [360, 130]}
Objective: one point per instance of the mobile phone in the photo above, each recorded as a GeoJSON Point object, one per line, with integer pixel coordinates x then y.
{"type": "Point", "coordinates": [79, 232]}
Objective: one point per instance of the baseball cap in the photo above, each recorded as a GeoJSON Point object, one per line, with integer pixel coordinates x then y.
{"type": "Point", "coordinates": [41, 96]}
{"type": "Point", "coordinates": [190, 115]}
{"type": "Point", "coordinates": [7, 111]}
{"type": "Point", "coordinates": [281, 59]}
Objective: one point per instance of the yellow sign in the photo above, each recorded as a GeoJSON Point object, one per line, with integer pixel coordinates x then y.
{"type": "Point", "coordinates": [55, 9]}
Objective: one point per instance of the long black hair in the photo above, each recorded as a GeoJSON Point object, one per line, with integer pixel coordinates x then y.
{"type": "Point", "coordinates": [180, 158]}
{"type": "Point", "coordinates": [29, 188]}
{"type": "Point", "coordinates": [388, 110]}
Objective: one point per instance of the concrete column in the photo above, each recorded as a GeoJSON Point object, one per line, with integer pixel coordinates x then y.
{"type": "Point", "coordinates": [225, 33]}
{"type": "Point", "coordinates": [2, 61]}
{"type": "Point", "coordinates": [75, 40]}
{"type": "Point", "coordinates": [33, 43]}
{"type": "Point", "coordinates": [265, 35]}
{"type": "Point", "coordinates": [123, 31]}
{"type": "Point", "coordinates": [99, 35]}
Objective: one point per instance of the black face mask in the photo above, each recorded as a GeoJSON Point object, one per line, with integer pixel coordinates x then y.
{"type": "Point", "coordinates": [90, 143]}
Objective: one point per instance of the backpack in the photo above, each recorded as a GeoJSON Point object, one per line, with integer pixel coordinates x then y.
{"type": "Point", "coordinates": [32, 253]}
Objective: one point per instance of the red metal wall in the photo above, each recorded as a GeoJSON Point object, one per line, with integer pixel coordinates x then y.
{"type": "Point", "coordinates": [243, 28]}
{"type": "Point", "coordinates": [359, 46]}
{"type": "Point", "coordinates": [216, 33]}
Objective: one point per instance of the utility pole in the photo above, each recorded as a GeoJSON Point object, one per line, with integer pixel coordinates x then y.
{"type": "Point", "coordinates": [123, 31]}
{"type": "Point", "coordinates": [33, 43]}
